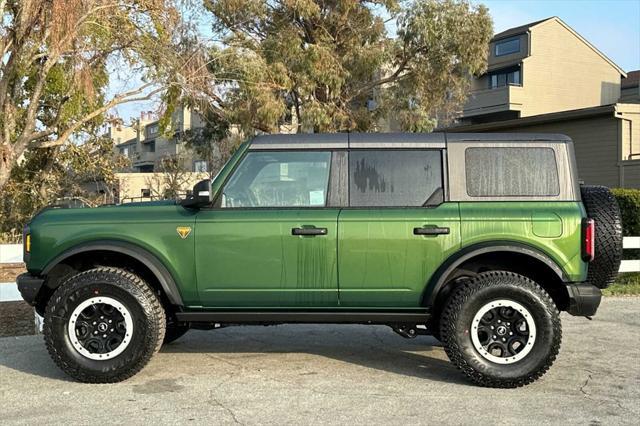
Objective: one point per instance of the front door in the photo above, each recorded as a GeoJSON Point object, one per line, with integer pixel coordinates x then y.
{"type": "Point", "coordinates": [397, 230]}
{"type": "Point", "coordinates": [271, 241]}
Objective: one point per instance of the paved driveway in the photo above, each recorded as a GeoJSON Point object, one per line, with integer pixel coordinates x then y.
{"type": "Point", "coordinates": [333, 374]}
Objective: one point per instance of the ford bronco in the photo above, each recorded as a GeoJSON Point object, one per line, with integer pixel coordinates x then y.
{"type": "Point", "coordinates": [477, 239]}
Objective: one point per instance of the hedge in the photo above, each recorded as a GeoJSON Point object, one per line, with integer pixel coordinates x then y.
{"type": "Point", "coordinates": [629, 202]}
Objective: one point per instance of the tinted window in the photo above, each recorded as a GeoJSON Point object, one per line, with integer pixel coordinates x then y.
{"type": "Point", "coordinates": [395, 178]}
{"type": "Point", "coordinates": [508, 46]}
{"type": "Point", "coordinates": [509, 76]}
{"type": "Point", "coordinates": [279, 179]}
{"type": "Point", "coordinates": [507, 172]}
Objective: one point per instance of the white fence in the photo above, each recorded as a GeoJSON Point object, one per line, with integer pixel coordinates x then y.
{"type": "Point", "coordinates": [630, 265]}
{"type": "Point", "coordinates": [12, 253]}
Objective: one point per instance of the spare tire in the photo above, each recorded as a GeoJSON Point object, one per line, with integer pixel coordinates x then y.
{"type": "Point", "coordinates": [603, 208]}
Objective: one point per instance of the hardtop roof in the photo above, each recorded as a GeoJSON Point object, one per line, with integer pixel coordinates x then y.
{"type": "Point", "coordinates": [392, 140]}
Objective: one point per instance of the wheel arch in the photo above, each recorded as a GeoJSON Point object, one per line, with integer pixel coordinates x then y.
{"type": "Point", "coordinates": [499, 254]}
{"type": "Point", "coordinates": [120, 249]}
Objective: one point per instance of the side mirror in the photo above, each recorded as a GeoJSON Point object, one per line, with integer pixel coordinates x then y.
{"type": "Point", "coordinates": [202, 195]}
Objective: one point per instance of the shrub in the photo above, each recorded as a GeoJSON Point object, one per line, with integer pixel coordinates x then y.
{"type": "Point", "coordinates": [629, 201]}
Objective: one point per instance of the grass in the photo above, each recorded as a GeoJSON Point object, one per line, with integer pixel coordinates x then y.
{"type": "Point", "coordinates": [627, 284]}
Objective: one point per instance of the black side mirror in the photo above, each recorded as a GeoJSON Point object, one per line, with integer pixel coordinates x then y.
{"type": "Point", "coordinates": [202, 195]}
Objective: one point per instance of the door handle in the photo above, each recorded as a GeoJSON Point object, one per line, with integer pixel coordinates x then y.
{"type": "Point", "coordinates": [309, 231]}
{"type": "Point", "coordinates": [431, 230]}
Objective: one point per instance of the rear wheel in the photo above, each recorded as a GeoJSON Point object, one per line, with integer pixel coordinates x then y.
{"type": "Point", "coordinates": [501, 329]}
{"type": "Point", "coordinates": [103, 325]}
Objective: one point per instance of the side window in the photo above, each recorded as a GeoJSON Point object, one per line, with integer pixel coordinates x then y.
{"type": "Point", "coordinates": [511, 172]}
{"type": "Point", "coordinates": [279, 179]}
{"type": "Point", "coordinates": [395, 178]}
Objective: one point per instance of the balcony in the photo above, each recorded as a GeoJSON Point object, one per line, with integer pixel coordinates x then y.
{"type": "Point", "coordinates": [143, 158]}
{"type": "Point", "coordinates": [490, 101]}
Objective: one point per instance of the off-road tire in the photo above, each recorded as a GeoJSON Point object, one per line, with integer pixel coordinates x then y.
{"type": "Point", "coordinates": [147, 314]}
{"type": "Point", "coordinates": [465, 302]}
{"type": "Point", "coordinates": [602, 206]}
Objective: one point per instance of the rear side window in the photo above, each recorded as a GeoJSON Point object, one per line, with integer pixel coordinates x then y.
{"type": "Point", "coordinates": [395, 178]}
{"type": "Point", "coordinates": [511, 172]}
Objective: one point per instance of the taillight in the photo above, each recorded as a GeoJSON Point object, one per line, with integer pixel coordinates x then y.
{"type": "Point", "coordinates": [588, 239]}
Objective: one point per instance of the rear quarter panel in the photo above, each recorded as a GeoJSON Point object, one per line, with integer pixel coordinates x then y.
{"type": "Point", "coordinates": [554, 228]}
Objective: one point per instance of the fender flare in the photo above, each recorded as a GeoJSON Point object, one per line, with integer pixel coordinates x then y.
{"type": "Point", "coordinates": [157, 268]}
{"type": "Point", "coordinates": [436, 283]}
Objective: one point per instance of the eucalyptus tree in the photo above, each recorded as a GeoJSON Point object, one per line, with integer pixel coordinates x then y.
{"type": "Point", "coordinates": [340, 65]}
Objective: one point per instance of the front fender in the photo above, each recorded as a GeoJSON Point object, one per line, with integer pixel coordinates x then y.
{"type": "Point", "coordinates": [162, 274]}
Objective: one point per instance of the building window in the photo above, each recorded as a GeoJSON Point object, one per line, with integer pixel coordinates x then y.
{"type": "Point", "coordinates": [152, 129]}
{"type": "Point", "coordinates": [395, 178]}
{"type": "Point", "coordinates": [507, 47]}
{"type": "Point", "coordinates": [125, 151]}
{"type": "Point", "coordinates": [200, 166]}
{"type": "Point", "coordinates": [145, 193]}
{"type": "Point", "coordinates": [151, 146]}
{"type": "Point", "coordinates": [511, 172]}
{"type": "Point", "coordinates": [507, 76]}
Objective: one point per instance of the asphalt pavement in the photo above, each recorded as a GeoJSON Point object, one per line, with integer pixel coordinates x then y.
{"type": "Point", "coordinates": [333, 374]}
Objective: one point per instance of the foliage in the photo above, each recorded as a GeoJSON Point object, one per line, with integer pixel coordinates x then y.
{"type": "Point", "coordinates": [57, 59]}
{"type": "Point", "coordinates": [629, 202]}
{"type": "Point", "coordinates": [627, 284]}
{"type": "Point", "coordinates": [214, 142]}
{"type": "Point", "coordinates": [333, 66]}
{"type": "Point", "coordinates": [84, 171]}
{"type": "Point", "coordinates": [171, 180]}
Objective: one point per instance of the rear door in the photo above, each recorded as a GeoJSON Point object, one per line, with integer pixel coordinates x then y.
{"type": "Point", "coordinates": [397, 230]}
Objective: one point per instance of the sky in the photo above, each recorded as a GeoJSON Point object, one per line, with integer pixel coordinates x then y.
{"type": "Point", "coordinates": [612, 26]}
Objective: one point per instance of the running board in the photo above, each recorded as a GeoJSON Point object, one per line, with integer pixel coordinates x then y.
{"type": "Point", "coordinates": [292, 317]}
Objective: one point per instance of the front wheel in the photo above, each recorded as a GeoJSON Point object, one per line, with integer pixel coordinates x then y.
{"type": "Point", "coordinates": [501, 329]}
{"type": "Point", "coordinates": [103, 325]}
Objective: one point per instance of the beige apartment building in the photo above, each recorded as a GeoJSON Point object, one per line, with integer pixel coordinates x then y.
{"type": "Point", "coordinates": [545, 77]}
{"type": "Point", "coordinates": [145, 145]}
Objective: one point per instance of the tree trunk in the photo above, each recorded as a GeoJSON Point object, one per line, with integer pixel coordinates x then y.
{"type": "Point", "coordinates": [7, 160]}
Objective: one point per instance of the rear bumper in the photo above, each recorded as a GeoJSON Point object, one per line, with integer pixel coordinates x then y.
{"type": "Point", "coordinates": [584, 299]}
{"type": "Point", "coordinates": [29, 287]}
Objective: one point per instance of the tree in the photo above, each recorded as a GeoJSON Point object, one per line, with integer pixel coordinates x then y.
{"type": "Point", "coordinates": [171, 180]}
{"type": "Point", "coordinates": [86, 171]}
{"type": "Point", "coordinates": [56, 60]}
{"type": "Point", "coordinates": [214, 142]}
{"type": "Point", "coordinates": [335, 66]}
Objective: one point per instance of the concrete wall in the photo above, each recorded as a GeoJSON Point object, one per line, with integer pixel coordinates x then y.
{"type": "Point", "coordinates": [131, 184]}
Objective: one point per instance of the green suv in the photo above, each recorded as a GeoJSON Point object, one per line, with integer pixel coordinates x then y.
{"type": "Point", "coordinates": [477, 239]}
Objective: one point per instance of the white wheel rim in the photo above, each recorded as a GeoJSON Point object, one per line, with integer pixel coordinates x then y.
{"type": "Point", "coordinates": [525, 316]}
{"type": "Point", "coordinates": [75, 317]}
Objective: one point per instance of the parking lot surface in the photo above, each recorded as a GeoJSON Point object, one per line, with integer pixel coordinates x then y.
{"type": "Point", "coordinates": [331, 374]}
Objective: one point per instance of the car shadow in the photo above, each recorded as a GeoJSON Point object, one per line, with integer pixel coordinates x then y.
{"type": "Point", "coordinates": [29, 355]}
{"type": "Point", "coordinates": [376, 347]}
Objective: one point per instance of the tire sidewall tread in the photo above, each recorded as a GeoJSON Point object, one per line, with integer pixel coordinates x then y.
{"type": "Point", "coordinates": [139, 298]}
{"type": "Point", "coordinates": [457, 318]}
{"type": "Point", "coordinates": [601, 205]}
